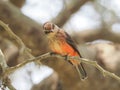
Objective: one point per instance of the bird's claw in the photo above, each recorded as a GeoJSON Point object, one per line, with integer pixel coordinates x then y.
{"type": "Point", "coordinates": [66, 57]}
{"type": "Point", "coordinates": [52, 53]}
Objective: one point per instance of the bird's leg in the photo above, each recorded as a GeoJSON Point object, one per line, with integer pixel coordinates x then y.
{"type": "Point", "coordinates": [66, 57]}
{"type": "Point", "coordinates": [53, 53]}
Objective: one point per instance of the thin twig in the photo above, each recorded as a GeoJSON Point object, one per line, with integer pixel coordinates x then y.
{"type": "Point", "coordinates": [22, 47]}
{"type": "Point", "coordinates": [41, 57]}
{"type": "Point", "coordinates": [23, 51]}
{"type": "Point", "coordinates": [95, 64]}
{"type": "Point", "coordinates": [3, 63]}
{"type": "Point", "coordinates": [5, 80]}
{"type": "Point", "coordinates": [8, 84]}
{"type": "Point", "coordinates": [103, 71]}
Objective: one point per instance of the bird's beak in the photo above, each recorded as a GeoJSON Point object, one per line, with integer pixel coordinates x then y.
{"type": "Point", "coordinates": [48, 31]}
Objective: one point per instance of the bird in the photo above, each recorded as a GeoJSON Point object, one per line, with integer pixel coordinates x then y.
{"type": "Point", "coordinates": [61, 43]}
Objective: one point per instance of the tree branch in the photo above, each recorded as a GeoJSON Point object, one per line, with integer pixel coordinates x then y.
{"type": "Point", "coordinates": [91, 35]}
{"type": "Point", "coordinates": [66, 13]}
{"type": "Point", "coordinates": [41, 57]}
{"type": "Point", "coordinates": [103, 71]}
{"type": "Point", "coordinates": [3, 67]}
{"type": "Point", "coordinates": [23, 26]}
{"type": "Point", "coordinates": [17, 3]}
{"type": "Point", "coordinates": [22, 47]}
{"type": "Point", "coordinates": [2, 62]}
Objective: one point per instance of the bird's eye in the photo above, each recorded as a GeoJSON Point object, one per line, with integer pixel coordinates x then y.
{"type": "Point", "coordinates": [48, 26]}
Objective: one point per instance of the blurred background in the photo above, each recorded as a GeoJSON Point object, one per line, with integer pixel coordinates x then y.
{"type": "Point", "coordinates": [93, 24]}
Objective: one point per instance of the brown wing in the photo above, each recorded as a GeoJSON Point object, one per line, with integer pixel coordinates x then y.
{"type": "Point", "coordinates": [72, 43]}
{"type": "Point", "coordinates": [80, 67]}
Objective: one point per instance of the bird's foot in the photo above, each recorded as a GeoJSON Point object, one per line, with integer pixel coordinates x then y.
{"type": "Point", "coordinates": [66, 57]}
{"type": "Point", "coordinates": [53, 53]}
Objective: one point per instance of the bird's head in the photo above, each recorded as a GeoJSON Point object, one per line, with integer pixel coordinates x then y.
{"type": "Point", "coordinates": [50, 28]}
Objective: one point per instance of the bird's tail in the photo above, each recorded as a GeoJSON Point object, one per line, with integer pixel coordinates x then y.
{"type": "Point", "coordinates": [81, 71]}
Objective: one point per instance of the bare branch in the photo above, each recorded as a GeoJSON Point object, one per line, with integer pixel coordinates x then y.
{"type": "Point", "coordinates": [23, 26]}
{"type": "Point", "coordinates": [91, 35]}
{"type": "Point", "coordinates": [7, 83]}
{"type": "Point", "coordinates": [2, 61]}
{"type": "Point", "coordinates": [17, 3]}
{"type": "Point", "coordinates": [5, 80]}
{"type": "Point", "coordinates": [22, 47]}
{"type": "Point", "coordinates": [103, 71]}
{"type": "Point", "coordinates": [66, 13]}
{"type": "Point", "coordinates": [41, 57]}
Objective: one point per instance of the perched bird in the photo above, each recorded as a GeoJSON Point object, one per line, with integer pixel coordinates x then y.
{"type": "Point", "coordinates": [61, 43]}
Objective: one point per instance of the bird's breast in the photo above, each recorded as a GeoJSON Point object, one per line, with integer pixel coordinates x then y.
{"type": "Point", "coordinates": [56, 46]}
{"type": "Point", "coordinates": [62, 47]}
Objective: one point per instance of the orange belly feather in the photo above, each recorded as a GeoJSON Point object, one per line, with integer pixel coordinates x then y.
{"type": "Point", "coordinates": [64, 48]}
